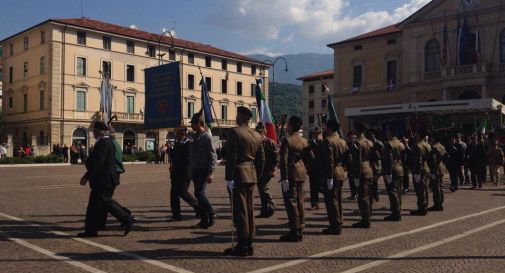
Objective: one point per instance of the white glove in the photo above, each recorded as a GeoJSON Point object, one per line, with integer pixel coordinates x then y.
{"type": "Point", "coordinates": [417, 178]}
{"type": "Point", "coordinates": [230, 184]}
{"type": "Point", "coordinates": [329, 183]}
{"type": "Point", "coordinates": [433, 176]}
{"type": "Point", "coordinates": [356, 182]}
{"type": "Point", "coordinates": [388, 178]}
{"type": "Point", "coordinates": [285, 185]}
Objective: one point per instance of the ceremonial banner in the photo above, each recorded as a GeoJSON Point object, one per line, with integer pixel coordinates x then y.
{"type": "Point", "coordinates": [162, 97]}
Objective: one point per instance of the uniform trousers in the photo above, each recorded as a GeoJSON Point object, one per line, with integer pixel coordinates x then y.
{"type": "Point", "coordinates": [395, 194]}
{"type": "Point", "coordinates": [179, 190]}
{"type": "Point", "coordinates": [365, 199]}
{"type": "Point", "coordinates": [333, 202]}
{"type": "Point", "coordinates": [438, 191]}
{"type": "Point", "coordinates": [100, 202]}
{"type": "Point", "coordinates": [267, 201]}
{"type": "Point", "coordinates": [243, 209]}
{"type": "Point", "coordinates": [422, 192]}
{"type": "Point", "coordinates": [293, 201]}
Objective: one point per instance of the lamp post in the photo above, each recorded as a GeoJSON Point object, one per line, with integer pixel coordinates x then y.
{"type": "Point", "coordinates": [160, 56]}
{"type": "Point", "coordinates": [272, 63]}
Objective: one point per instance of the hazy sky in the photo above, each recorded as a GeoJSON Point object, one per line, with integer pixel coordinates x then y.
{"type": "Point", "coordinates": [269, 27]}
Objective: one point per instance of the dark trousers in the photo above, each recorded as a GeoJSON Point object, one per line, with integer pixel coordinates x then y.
{"type": "Point", "coordinates": [267, 201]}
{"type": "Point", "coordinates": [395, 195]}
{"type": "Point", "coordinates": [100, 202]}
{"type": "Point", "coordinates": [293, 201]}
{"type": "Point", "coordinates": [466, 172]}
{"type": "Point", "coordinates": [105, 213]}
{"type": "Point", "coordinates": [178, 191]}
{"type": "Point", "coordinates": [243, 209]}
{"type": "Point", "coordinates": [453, 175]}
{"type": "Point", "coordinates": [315, 183]}
{"type": "Point", "coordinates": [406, 178]}
{"type": "Point", "coordinates": [422, 192]}
{"type": "Point", "coordinates": [375, 185]}
{"type": "Point", "coordinates": [476, 176]}
{"type": "Point", "coordinates": [365, 199]}
{"type": "Point", "coordinates": [438, 191]}
{"type": "Point", "coordinates": [352, 187]}
{"type": "Point", "coordinates": [333, 202]}
{"type": "Point", "coordinates": [205, 208]}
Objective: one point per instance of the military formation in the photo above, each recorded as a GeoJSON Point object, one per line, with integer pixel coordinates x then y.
{"type": "Point", "coordinates": [327, 160]}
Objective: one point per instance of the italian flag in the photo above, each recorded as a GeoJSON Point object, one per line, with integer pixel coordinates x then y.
{"type": "Point", "coordinates": [264, 112]}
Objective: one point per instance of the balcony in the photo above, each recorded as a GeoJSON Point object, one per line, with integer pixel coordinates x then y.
{"type": "Point", "coordinates": [129, 116]}
{"type": "Point", "coordinates": [465, 70]}
{"type": "Point", "coordinates": [429, 76]}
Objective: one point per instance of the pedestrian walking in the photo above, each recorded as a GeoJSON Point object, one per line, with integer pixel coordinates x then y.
{"type": "Point", "coordinates": [316, 169]}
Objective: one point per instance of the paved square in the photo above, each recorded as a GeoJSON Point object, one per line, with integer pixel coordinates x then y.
{"type": "Point", "coordinates": [42, 209]}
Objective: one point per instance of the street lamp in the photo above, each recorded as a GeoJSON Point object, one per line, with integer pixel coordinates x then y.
{"type": "Point", "coordinates": [160, 56]}
{"type": "Point", "coordinates": [272, 63]}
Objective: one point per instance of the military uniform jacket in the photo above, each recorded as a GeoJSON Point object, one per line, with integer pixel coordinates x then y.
{"type": "Point", "coordinates": [335, 151]}
{"type": "Point", "coordinates": [101, 165]}
{"type": "Point", "coordinates": [393, 156]}
{"type": "Point", "coordinates": [295, 155]}
{"type": "Point", "coordinates": [495, 156]}
{"type": "Point", "coordinates": [361, 155]}
{"type": "Point", "coordinates": [438, 155]}
{"type": "Point", "coordinates": [317, 150]}
{"type": "Point", "coordinates": [376, 156]}
{"type": "Point", "coordinates": [180, 157]}
{"type": "Point", "coordinates": [476, 152]}
{"type": "Point", "coordinates": [272, 155]}
{"type": "Point", "coordinates": [245, 156]}
{"type": "Point", "coordinates": [420, 158]}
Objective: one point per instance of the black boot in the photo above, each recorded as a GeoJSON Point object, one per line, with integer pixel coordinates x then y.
{"type": "Point", "coordinates": [290, 237]}
{"type": "Point", "coordinates": [393, 217]}
{"type": "Point", "coordinates": [361, 224]}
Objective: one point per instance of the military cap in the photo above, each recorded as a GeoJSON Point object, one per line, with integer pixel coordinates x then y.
{"type": "Point", "coordinates": [260, 127]}
{"type": "Point", "coordinates": [245, 111]}
{"type": "Point", "coordinates": [99, 125]}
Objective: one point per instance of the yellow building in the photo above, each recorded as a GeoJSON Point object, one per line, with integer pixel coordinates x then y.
{"type": "Point", "coordinates": [410, 71]}
{"type": "Point", "coordinates": [52, 74]}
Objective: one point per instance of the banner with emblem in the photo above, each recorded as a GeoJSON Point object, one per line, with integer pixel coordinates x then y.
{"type": "Point", "coordinates": [163, 96]}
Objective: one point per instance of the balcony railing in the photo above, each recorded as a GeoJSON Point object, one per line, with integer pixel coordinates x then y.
{"type": "Point", "coordinates": [468, 69]}
{"type": "Point", "coordinates": [129, 116]}
{"type": "Point", "coordinates": [428, 76]}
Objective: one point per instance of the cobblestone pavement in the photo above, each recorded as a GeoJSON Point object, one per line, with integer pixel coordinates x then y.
{"type": "Point", "coordinates": [42, 208]}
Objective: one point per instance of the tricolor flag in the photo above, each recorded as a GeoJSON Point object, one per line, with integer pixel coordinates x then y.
{"type": "Point", "coordinates": [477, 38]}
{"type": "Point", "coordinates": [206, 104]}
{"type": "Point", "coordinates": [106, 98]}
{"type": "Point", "coordinates": [332, 114]}
{"type": "Point", "coordinates": [445, 43]}
{"type": "Point", "coordinates": [264, 112]}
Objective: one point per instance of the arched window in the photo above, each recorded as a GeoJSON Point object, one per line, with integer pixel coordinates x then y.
{"type": "Point", "coordinates": [80, 137]}
{"type": "Point", "coordinates": [432, 56]}
{"type": "Point", "coordinates": [469, 95]}
{"type": "Point", "coordinates": [129, 138]}
{"type": "Point", "coordinates": [502, 46]}
{"type": "Point", "coordinates": [41, 138]}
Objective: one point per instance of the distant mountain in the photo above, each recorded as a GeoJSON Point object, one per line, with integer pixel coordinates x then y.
{"type": "Point", "coordinates": [298, 65]}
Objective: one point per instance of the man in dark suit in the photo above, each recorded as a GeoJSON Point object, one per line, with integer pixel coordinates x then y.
{"type": "Point", "coordinates": [102, 177]}
{"type": "Point", "coordinates": [245, 159]}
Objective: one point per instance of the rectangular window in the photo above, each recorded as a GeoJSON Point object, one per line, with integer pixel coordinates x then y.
{"type": "Point", "coordinates": [25, 71]}
{"type": "Point", "coordinates": [358, 47]}
{"type": "Point", "coordinates": [224, 112]}
{"type": "Point", "coordinates": [11, 49]}
{"type": "Point", "coordinates": [81, 66]}
{"type": "Point", "coordinates": [81, 37]}
{"type": "Point", "coordinates": [25, 43]}
{"type": "Point", "coordinates": [311, 119]}
{"type": "Point", "coordinates": [41, 99]}
{"type": "Point", "coordinates": [208, 82]}
{"type": "Point", "coordinates": [191, 58]}
{"type": "Point", "coordinates": [391, 72]}
{"type": "Point", "coordinates": [253, 90]}
{"type": "Point", "coordinates": [80, 100]}
{"type": "Point", "coordinates": [130, 73]}
{"type": "Point", "coordinates": [323, 103]}
{"type": "Point", "coordinates": [106, 43]}
{"type": "Point", "coordinates": [311, 104]}
{"type": "Point", "coordinates": [1, 74]}
{"type": "Point", "coordinates": [255, 115]}
{"type": "Point", "coordinates": [224, 64]}
{"type": "Point", "coordinates": [312, 88]}
{"type": "Point", "coordinates": [191, 82]}
{"type": "Point", "coordinates": [357, 76]}
{"type": "Point", "coordinates": [391, 41]}
{"type": "Point", "coordinates": [191, 109]}
{"type": "Point", "coordinates": [208, 61]}
{"type": "Point", "coordinates": [10, 102]}
{"type": "Point", "coordinates": [42, 37]}
{"type": "Point", "coordinates": [107, 69]}
{"type": "Point", "coordinates": [25, 103]}
{"type": "Point", "coordinates": [42, 67]}
{"type": "Point", "coordinates": [130, 104]}
{"type": "Point", "coordinates": [224, 86]}
{"type": "Point", "coordinates": [151, 51]}
{"type": "Point", "coordinates": [11, 76]}
{"type": "Point", "coordinates": [171, 54]}
{"type": "Point", "coordinates": [130, 47]}
{"type": "Point", "coordinates": [239, 67]}
{"type": "Point", "coordinates": [239, 88]}
{"type": "Point", "coordinates": [323, 90]}
{"type": "Point", "coordinates": [253, 70]}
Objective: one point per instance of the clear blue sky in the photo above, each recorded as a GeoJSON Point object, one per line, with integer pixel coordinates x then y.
{"type": "Point", "coordinates": [244, 26]}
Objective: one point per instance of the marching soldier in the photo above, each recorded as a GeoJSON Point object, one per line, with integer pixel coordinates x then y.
{"type": "Point", "coordinates": [295, 156]}
{"type": "Point", "coordinates": [335, 149]}
{"type": "Point", "coordinates": [245, 158]}
{"type": "Point", "coordinates": [393, 174]}
{"type": "Point", "coordinates": [438, 170]}
{"type": "Point", "coordinates": [351, 143]}
{"type": "Point", "coordinates": [272, 158]}
{"type": "Point", "coordinates": [363, 177]}
{"type": "Point", "coordinates": [376, 162]}
{"type": "Point", "coordinates": [421, 172]}
{"type": "Point", "coordinates": [407, 157]}
{"type": "Point", "coordinates": [316, 169]}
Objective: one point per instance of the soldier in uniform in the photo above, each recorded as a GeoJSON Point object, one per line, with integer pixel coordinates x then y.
{"type": "Point", "coordinates": [272, 158]}
{"type": "Point", "coordinates": [494, 160]}
{"type": "Point", "coordinates": [376, 162]}
{"type": "Point", "coordinates": [421, 172]}
{"type": "Point", "coordinates": [335, 150]}
{"type": "Point", "coordinates": [475, 153]}
{"type": "Point", "coordinates": [295, 155]}
{"type": "Point", "coordinates": [393, 174]}
{"type": "Point", "coordinates": [407, 156]}
{"type": "Point", "coordinates": [316, 169]}
{"type": "Point", "coordinates": [351, 143]}
{"type": "Point", "coordinates": [438, 170]}
{"type": "Point", "coordinates": [245, 159]}
{"type": "Point", "coordinates": [363, 177]}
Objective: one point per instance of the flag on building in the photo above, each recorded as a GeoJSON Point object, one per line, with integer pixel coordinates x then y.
{"type": "Point", "coordinates": [106, 98]}
{"type": "Point", "coordinates": [467, 46]}
{"type": "Point", "coordinates": [264, 112]}
{"type": "Point", "coordinates": [458, 35]}
{"type": "Point", "coordinates": [206, 109]}
{"type": "Point", "coordinates": [477, 38]}
{"type": "Point", "coordinates": [445, 44]}
{"type": "Point", "coordinates": [332, 114]}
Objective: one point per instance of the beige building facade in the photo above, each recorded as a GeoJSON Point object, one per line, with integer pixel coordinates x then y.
{"type": "Point", "coordinates": [53, 71]}
{"type": "Point", "coordinates": [412, 62]}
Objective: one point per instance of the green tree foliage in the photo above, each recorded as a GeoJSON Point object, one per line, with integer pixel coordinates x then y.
{"type": "Point", "coordinates": [285, 99]}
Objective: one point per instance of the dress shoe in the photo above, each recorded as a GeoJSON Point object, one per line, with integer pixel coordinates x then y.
{"type": "Point", "coordinates": [453, 189]}
{"type": "Point", "coordinates": [300, 235]}
{"type": "Point", "coordinates": [174, 219]}
{"type": "Point", "coordinates": [270, 213]}
{"type": "Point", "coordinates": [418, 212]}
{"type": "Point", "coordinates": [212, 220]}
{"type": "Point", "coordinates": [290, 237]}
{"type": "Point", "coordinates": [393, 218]}
{"type": "Point", "coordinates": [250, 251]}
{"type": "Point", "coordinates": [352, 197]}
{"type": "Point", "coordinates": [436, 208]}
{"type": "Point", "coordinates": [361, 224]}
{"type": "Point", "coordinates": [201, 225]}
{"type": "Point", "coordinates": [263, 214]}
{"type": "Point", "coordinates": [314, 207]}
{"type": "Point", "coordinates": [129, 226]}
{"type": "Point", "coordinates": [236, 251]}
{"type": "Point", "coordinates": [405, 190]}
{"type": "Point", "coordinates": [87, 234]}
{"type": "Point", "coordinates": [332, 231]}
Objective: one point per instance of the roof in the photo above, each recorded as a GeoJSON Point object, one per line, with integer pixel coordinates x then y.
{"type": "Point", "coordinates": [392, 29]}
{"type": "Point", "coordinates": [319, 74]}
{"type": "Point", "coordinates": [144, 35]}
